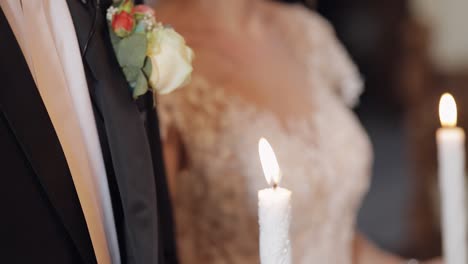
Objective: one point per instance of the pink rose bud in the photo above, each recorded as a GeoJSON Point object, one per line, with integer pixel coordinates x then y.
{"type": "Point", "coordinates": [123, 24]}
{"type": "Point", "coordinates": [143, 10]}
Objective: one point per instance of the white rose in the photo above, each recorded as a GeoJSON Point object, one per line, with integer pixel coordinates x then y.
{"type": "Point", "coordinates": [171, 60]}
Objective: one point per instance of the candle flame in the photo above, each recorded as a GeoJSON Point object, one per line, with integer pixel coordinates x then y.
{"type": "Point", "coordinates": [269, 162]}
{"type": "Point", "coordinates": [448, 110]}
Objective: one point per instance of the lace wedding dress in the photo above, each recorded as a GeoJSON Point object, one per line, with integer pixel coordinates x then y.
{"type": "Point", "coordinates": [325, 157]}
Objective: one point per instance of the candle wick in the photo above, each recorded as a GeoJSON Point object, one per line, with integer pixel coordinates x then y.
{"type": "Point", "coordinates": [275, 185]}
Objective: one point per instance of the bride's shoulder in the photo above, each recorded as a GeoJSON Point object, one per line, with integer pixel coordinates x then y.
{"type": "Point", "coordinates": [300, 17]}
{"type": "Point", "coordinates": [300, 23]}
{"type": "Point", "coordinates": [312, 34]}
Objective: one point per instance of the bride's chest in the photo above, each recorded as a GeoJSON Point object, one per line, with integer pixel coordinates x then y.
{"type": "Point", "coordinates": [321, 151]}
{"type": "Point", "coordinates": [267, 74]}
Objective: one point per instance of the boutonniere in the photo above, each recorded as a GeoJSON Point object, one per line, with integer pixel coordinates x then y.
{"type": "Point", "coordinates": [153, 57]}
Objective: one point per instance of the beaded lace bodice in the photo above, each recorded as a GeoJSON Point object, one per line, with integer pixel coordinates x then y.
{"type": "Point", "coordinates": [325, 159]}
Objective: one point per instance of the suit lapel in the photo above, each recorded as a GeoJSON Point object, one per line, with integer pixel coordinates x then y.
{"type": "Point", "coordinates": [30, 122]}
{"type": "Point", "coordinates": [126, 135]}
{"type": "Point", "coordinates": [55, 92]}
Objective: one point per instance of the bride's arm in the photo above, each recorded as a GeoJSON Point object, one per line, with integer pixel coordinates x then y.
{"type": "Point", "coordinates": [367, 253]}
{"type": "Point", "coordinates": [172, 157]}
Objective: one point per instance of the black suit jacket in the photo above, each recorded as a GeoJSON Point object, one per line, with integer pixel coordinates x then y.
{"type": "Point", "coordinates": [42, 221]}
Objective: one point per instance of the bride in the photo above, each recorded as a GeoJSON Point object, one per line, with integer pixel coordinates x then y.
{"type": "Point", "coordinates": [265, 69]}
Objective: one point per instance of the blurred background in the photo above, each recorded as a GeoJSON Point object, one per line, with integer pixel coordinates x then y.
{"type": "Point", "coordinates": [409, 52]}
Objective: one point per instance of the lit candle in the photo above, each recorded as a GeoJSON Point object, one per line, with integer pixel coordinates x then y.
{"type": "Point", "coordinates": [451, 155]}
{"type": "Point", "coordinates": [274, 211]}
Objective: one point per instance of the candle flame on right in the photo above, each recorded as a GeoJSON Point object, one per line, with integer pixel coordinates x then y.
{"type": "Point", "coordinates": [269, 162]}
{"type": "Point", "coordinates": [448, 110]}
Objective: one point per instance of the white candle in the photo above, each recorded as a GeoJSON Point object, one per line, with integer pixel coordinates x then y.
{"type": "Point", "coordinates": [274, 211]}
{"type": "Point", "coordinates": [451, 155]}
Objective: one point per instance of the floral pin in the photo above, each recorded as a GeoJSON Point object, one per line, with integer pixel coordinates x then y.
{"type": "Point", "coordinates": [153, 57]}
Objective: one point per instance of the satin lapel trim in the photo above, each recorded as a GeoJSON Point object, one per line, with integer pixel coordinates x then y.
{"type": "Point", "coordinates": [52, 86]}
{"type": "Point", "coordinates": [128, 142]}
{"type": "Point", "coordinates": [66, 44]}
{"type": "Point", "coordinates": [14, 13]}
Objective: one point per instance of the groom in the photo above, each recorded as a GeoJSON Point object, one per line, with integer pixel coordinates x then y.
{"type": "Point", "coordinates": [81, 172]}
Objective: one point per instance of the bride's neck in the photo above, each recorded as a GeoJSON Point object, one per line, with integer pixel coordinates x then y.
{"type": "Point", "coordinates": [230, 13]}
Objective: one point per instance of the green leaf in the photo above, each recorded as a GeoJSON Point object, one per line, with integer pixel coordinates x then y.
{"type": "Point", "coordinates": [141, 86]}
{"type": "Point", "coordinates": [140, 27]}
{"type": "Point", "coordinates": [148, 68]}
{"type": "Point", "coordinates": [115, 40]}
{"type": "Point", "coordinates": [126, 5]}
{"type": "Point", "coordinates": [131, 73]}
{"type": "Point", "coordinates": [132, 50]}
